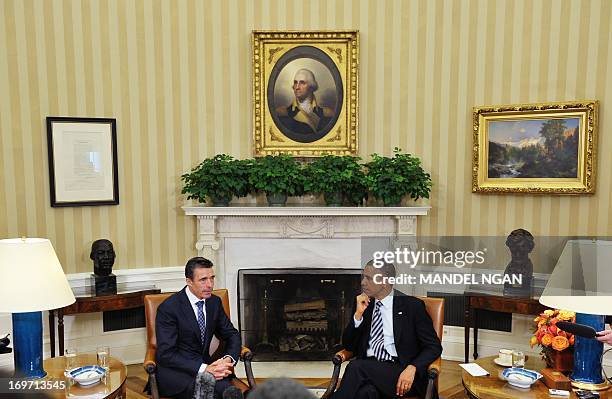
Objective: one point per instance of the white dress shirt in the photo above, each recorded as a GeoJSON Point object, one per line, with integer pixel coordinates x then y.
{"type": "Point", "coordinates": [386, 311]}
{"type": "Point", "coordinates": [193, 300]}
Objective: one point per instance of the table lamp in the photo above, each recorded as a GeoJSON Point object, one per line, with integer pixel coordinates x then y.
{"type": "Point", "coordinates": [31, 280]}
{"type": "Point", "coordinates": [582, 282]}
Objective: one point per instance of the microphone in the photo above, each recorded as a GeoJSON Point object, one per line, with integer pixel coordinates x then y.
{"type": "Point", "coordinates": [577, 329]}
{"type": "Point", "coordinates": [232, 393]}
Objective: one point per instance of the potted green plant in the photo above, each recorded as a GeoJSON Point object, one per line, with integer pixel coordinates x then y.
{"type": "Point", "coordinates": [391, 178]}
{"type": "Point", "coordinates": [217, 179]}
{"type": "Point", "coordinates": [336, 177]}
{"type": "Point", "coordinates": [279, 176]}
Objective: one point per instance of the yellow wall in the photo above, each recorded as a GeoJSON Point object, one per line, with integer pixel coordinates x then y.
{"type": "Point", "coordinates": [176, 75]}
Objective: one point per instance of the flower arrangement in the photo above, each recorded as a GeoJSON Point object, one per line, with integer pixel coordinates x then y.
{"type": "Point", "coordinates": [553, 340]}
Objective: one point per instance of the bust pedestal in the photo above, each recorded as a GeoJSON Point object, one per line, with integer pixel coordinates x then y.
{"type": "Point", "coordinates": [104, 285]}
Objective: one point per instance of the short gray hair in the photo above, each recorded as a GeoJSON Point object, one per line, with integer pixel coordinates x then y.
{"type": "Point", "coordinates": [310, 78]}
{"type": "Point", "coordinates": [280, 388]}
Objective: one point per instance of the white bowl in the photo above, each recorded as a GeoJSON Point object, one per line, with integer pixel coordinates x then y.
{"type": "Point", "coordinates": [87, 375]}
{"type": "Point", "coordinates": [521, 378]}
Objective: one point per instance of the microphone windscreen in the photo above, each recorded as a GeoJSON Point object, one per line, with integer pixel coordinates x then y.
{"type": "Point", "coordinates": [577, 329]}
{"type": "Point", "coordinates": [232, 393]}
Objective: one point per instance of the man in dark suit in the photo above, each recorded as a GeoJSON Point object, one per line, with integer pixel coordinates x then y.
{"type": "Point", "coordinates": [184, 327]}
{"type": "Point", "coordinates": [393, 339]}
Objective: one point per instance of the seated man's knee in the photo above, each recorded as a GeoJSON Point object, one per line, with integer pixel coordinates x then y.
{"type": "Point", "coordinates": [368, 391]}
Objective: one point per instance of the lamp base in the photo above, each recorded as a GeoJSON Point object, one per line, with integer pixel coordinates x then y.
{"type": "Point", "coordinates": [27, 345]}
{"type": "Point", "coordinates": [591, 387]}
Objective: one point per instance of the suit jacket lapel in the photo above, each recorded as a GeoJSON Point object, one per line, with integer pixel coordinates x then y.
{"type": "Point", "coordinates": [367, 320]}
{"type": "Point", "coordinates": [399, 313]}
{"type": "Point", "coordinates": [210, 314]}
{"type": "Point", "coordinates": [190, 315]}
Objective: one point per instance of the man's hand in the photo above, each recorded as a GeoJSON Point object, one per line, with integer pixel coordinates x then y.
{"type": "Point", "coordinates": [405, 380]}
{"type": "Point", "coordinates": [362, 304]}
{"type": "Point", "coordinates": [605, 336]}
{"type": "Point", "coordinates": [220, 369]}
{"type": "Point", "coordinates": [223, 360]}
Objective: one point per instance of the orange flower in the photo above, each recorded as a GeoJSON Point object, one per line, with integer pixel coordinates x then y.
{"type": "Point", "coordinates": [547, 339]}
{"type": "Point", "coordinates": [571, 340]}
{"type": "Point", "coordinates": [559, 343]}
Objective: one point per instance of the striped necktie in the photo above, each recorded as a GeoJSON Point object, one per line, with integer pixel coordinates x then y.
{"type": "Point", "coordinates": [201, 321]}
{"type": "Point", "coordinates": [377, 338]}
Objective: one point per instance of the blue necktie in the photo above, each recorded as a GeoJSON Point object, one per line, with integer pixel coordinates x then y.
{"type": "Point", "coordinates": [201, 321]}
{"type": "Point", "coordinates": [377, 338]}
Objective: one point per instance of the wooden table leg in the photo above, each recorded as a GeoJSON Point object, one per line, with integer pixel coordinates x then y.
{"type": "Point", "coordinates": [52, 331]}
{"type": "Point", "coordinates": [60, 331]}
{"type": "Point", "coordinates": [466, 329]}
{"type": "Point", "coordinates": [475, 323]}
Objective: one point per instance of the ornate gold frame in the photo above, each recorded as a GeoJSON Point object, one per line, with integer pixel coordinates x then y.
{"type": "Point", "coordinates": [343, 48]}
{"type": "Point", "coordinates": [586, 110]}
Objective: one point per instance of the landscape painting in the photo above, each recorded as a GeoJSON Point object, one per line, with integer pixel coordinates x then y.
{"type": "Point", "coordinates": [542, 148]}
{"type": "Point", "coordinates": [538, 148]}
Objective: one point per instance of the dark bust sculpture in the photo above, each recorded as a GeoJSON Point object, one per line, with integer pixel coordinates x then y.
{"type": "Point", "coordinates": [521, 243]}
{"type": "Point", "coordinates": [103, 256]}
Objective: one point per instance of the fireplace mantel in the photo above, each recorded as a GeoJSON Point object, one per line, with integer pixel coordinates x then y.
{"type": "Point", "coordinates": [216, 223]}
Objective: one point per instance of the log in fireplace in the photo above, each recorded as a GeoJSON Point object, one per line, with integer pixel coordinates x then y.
{"type": "Point", "coordinates": [295, 314]}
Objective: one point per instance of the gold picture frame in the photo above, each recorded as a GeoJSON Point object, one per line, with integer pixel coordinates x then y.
{"type": "Point", "coordinates": [321, 116]}
{"type": "Point", "coordinates": [543, 148]}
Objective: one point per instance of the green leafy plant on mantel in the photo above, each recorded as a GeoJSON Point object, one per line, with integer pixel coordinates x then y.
{"type": "Point", "coordinates": [391, 178]}
{"type": "Point", "coordinates": [336, 177]}
{"type": "Point", "coordinates": [278, 176]}
{"type": "Point", "coordinates": [218, 179]}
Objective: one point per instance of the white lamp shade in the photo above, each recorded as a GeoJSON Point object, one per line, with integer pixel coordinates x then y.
{"type": "Point", "coordinates": [582, 279]}
{"type": "Point", "coordinates": [31, 277]}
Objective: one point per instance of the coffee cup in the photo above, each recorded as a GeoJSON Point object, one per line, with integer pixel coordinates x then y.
{"type": "Point", "coordinates": [505, 356]}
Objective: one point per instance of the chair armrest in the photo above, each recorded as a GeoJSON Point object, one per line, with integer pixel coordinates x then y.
{"type": "Point", "coordinates": [149, 363]}
{"type": "Point", "coordinates": [434, 368]}
{"type": "Point", "coordinates": [342, 356]}
{"type": "Point", "coordinates": [339, 358]}
{"type": "Point", "coordinates": [432, 378]}
{"type": "Point", "coordinates": [246, 356]}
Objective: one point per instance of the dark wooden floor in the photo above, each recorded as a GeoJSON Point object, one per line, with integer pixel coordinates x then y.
{"type": "Point", "coordinates": [449, 384]}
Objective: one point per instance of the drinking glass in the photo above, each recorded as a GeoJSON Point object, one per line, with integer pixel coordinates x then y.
{"type": "Point", "coordinates": [518, 359]}
{"type": "Point", "coordinates": [71, 359]}
{"type": "Point", "coordinates": [102, 354]}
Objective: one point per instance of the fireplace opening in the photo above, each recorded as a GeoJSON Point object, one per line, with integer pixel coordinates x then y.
{"type": "Point", "coordinates": [295, 314]}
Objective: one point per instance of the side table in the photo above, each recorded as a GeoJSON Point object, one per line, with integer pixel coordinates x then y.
{"type": "Point", "coordinates": [111, 387]}
{"type": "Point", "coordinates": [93, 304]}
{"type": "Point", "coordinates": [473, 302]}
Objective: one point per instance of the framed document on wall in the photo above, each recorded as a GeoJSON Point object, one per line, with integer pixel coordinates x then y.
{"type": "Point", "coordinates": [82, 161]}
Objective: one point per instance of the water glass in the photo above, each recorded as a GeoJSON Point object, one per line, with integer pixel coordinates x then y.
{"type": "Point", "coordinates": [70, 359]}
{"type": "Point", "coordinates": [518, 359]}
{"type": "Point", "coordinates": [102, 354]}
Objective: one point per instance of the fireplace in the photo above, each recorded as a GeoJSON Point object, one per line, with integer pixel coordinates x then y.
{"type": "Point", "coordinates": [295, 314]}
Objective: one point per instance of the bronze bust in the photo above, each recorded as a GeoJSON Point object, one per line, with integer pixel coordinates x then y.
{"type": "Point", "coordinates": [521, 243]}
{"type": "Point", "coordinates": [103, 256]}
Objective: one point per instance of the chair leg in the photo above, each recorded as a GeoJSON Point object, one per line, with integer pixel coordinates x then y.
{"type": "Point", "coordinates": [153, 386]}
{"type": "Point", "coordinates": [431, 383]}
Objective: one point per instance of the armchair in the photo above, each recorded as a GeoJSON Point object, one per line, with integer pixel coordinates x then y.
{"type": "Point", "coordinates": [151, 302]}
{"type": "Point", "coordinates": [435, 308]}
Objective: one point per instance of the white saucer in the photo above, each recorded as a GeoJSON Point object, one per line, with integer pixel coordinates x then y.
{"type": "Point", "coordinates": [500, 363]}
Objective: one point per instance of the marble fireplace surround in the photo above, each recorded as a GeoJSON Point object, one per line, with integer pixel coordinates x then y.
{"type": "Point", "coordinates": [250, 237]}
